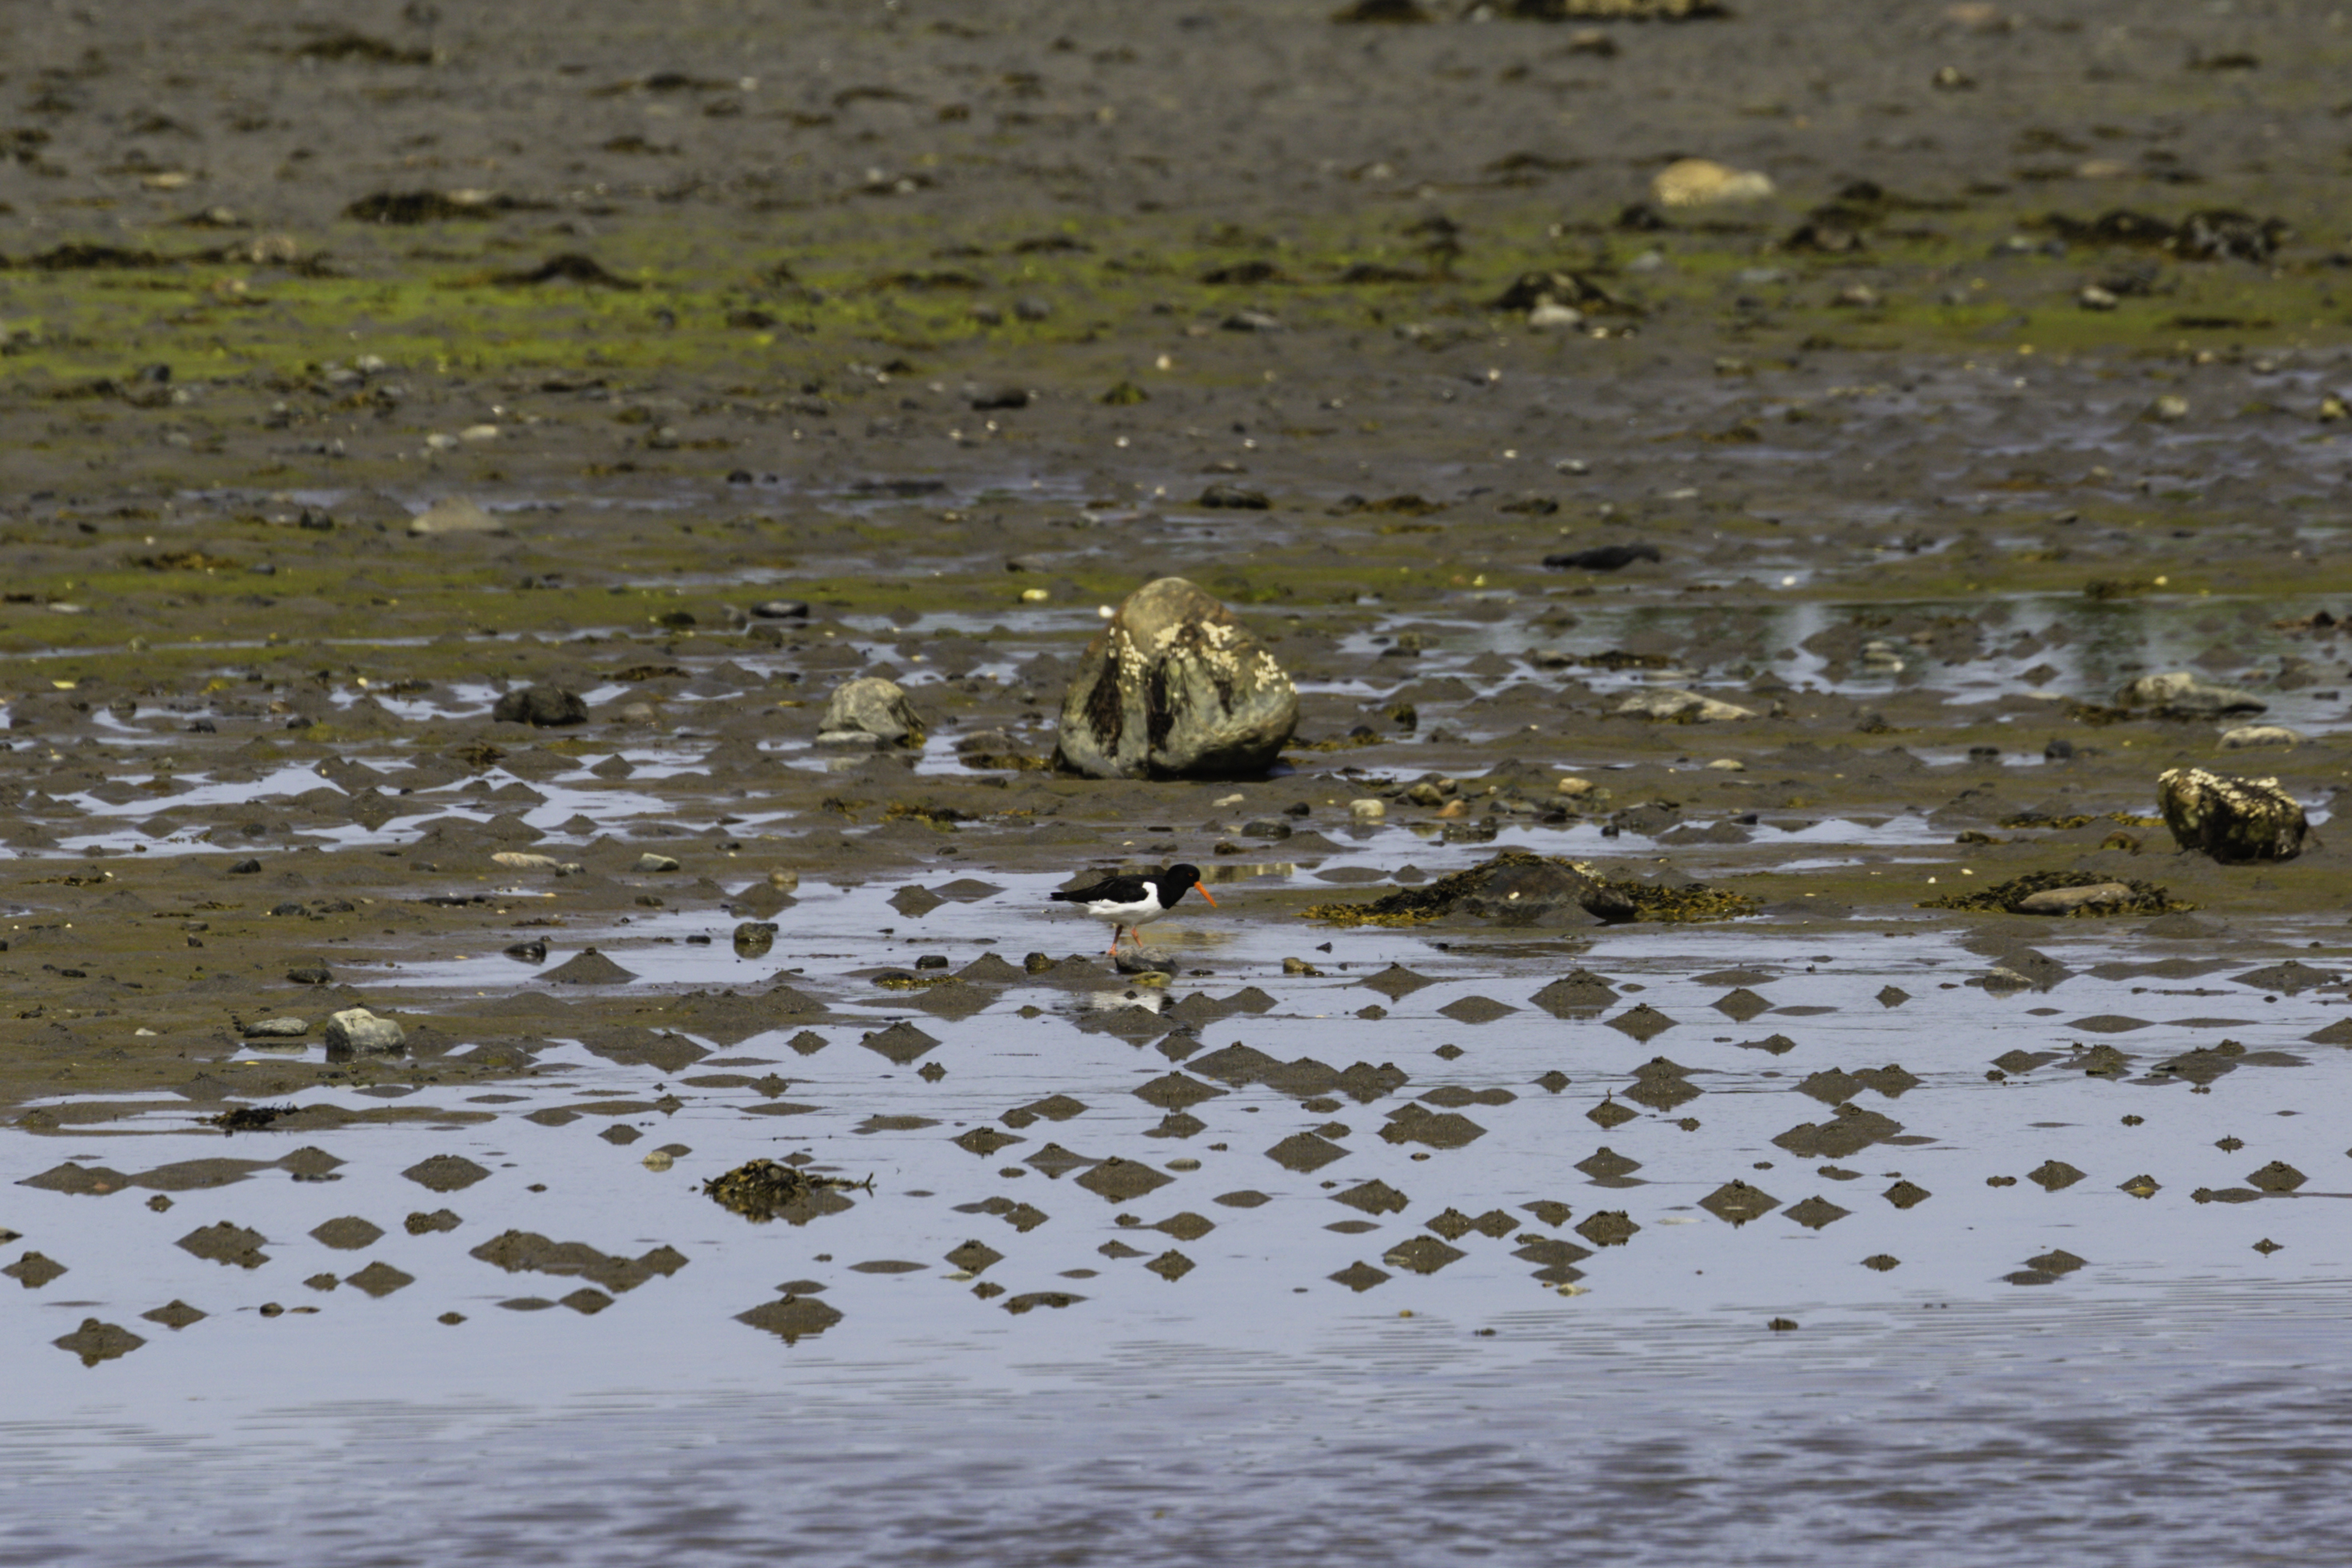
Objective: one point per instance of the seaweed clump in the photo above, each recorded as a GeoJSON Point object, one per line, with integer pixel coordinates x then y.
{"type": "Point", "coordinates": [1517, 885]}
{"type": "Point", "coordinates": [2004, 897]}
{"type": "Point", "coordinates": [250, 1118]}
{"type": "Point", "coordinates": [763, 1189]}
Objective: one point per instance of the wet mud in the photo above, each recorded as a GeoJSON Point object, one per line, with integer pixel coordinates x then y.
{"type": "Point", "coordinates": [457, 456]}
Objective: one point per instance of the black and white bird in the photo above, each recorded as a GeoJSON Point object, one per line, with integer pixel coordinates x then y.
{"type": "Point", "coordinates": [1131, 902]}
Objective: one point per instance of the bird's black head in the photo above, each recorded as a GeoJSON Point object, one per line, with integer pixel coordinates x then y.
{"type": "Point", "coordinates": [1178, 881]}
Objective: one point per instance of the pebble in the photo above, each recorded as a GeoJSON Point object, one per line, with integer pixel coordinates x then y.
{"type": "Point", "coordinates": [2093, 297]}
{"type": "Point", "coordinates": [784, 882]}
{"type": "Point", "coordinates": [2065, 900]}
{"type": "Point", "coordinates": [782, 609]}
{"type": "Point", "coordinates": [277, 1029]}
{"type": "Point", "coordinates": [1728, 765]}
{"type": "Point", "coordinates": [649, 861]}
{"type": "Point", "coordinates": [2168, 408]}
{"type": "Point", "coordinates": [1573, 787]}
{"type": "Point", "coordinates": [1368, 810]}
{"type": "Point", "coordinates": [1549, 315]}
{"type": "Point", "coordinates": [1251, 321]}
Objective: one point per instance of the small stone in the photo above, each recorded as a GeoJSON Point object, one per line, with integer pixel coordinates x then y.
{"type": "Point", "coordinates": [1368, 810]}
{"type": "Point", "coordinates": [277, 1029]}
{"type": "Point", "coordinates": [650, 862]}
{"type": "Point", "coordinates": [2093, 297]}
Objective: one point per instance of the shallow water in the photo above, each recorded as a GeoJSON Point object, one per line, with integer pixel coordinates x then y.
{"type": "Point", "coordinates": [1474, 1412]}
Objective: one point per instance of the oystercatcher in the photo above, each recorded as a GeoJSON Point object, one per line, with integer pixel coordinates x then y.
{"type": "Point", "coordinates": [1130, 902]}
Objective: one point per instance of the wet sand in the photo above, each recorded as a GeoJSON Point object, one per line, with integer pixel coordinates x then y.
{"type": "Point", "coordinates": [941, 327]}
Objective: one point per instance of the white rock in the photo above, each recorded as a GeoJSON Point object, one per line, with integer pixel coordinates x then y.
{"type": "Point", "coordinates": [2248, 736]}
{"type": "Point", "coordinates": [517, 860]}
{"type": "Point", "coordinates": [783, 881]}
{"type": "Point", "coordinates": [649, 861]}
{"type": "Point", "coordinates": [1549, 315]}
{"type": "Point", "coordinates": [1728, 765]}
{"type": "Point", "coordinates": [1703, 182]}
{"type": "Point", "coordinates": [478, 433]}
{"type": "Point", "coordinates": [2179, 692]}
{"type": "Point", "coordinates": [1368, 810]}
{"type": "Point", "coordinates": [454, 514]}
{"type": "Point", "coordinates": [1674, 705]}
{"type": "Point", "coordinates": [1572, 786]}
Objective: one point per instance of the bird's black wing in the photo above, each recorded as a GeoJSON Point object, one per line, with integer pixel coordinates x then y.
{"type": "Point", "coordinates": [1113, 889]}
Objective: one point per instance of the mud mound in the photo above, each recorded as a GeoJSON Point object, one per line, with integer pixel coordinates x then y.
{"type": "Point", "coordinates": [1518, 887]}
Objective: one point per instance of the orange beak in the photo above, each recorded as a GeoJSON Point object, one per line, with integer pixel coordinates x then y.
{"type": "Point", "coordinates": [1204, 892]}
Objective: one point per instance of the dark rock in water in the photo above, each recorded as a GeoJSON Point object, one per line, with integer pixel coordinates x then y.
{"type": "Point", "coordinates": [1603, 558]}
{"type": "Point", "coordinates": [1175, 687]}
{"type": "Point", "coordinates": [2231, 819]}
{"type": "Point", "coordinates": [542, 707]}
{"type": "Point", "coordinates": [1233, 498]}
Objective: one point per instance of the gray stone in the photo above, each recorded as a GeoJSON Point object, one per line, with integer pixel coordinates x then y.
{"type": "Point", "coordinates": [2230, 818]}
{"type": "Point", "coordinates": [870, 706]}
{"type": "Point", "coordinates": [1175, 687]}
{"type": "Point", "coordinates": [356, 1032]}
{"type": "Point", "coordinates": [1676, 706]}
{"type": "Point", "coordinates": [277, 1029]}
{"type": "Point", "coordinates": [2248, 737]}
{"type": "Point", "coordinates": [2066, 901]}
{"type": "Point", "coordinates": [2179, 691]}
{"type": "Point", "coordinates": [649, 861]}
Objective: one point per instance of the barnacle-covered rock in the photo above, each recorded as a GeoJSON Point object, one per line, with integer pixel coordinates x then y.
{"type": "Point", "coordinates": [2231, 818]}
{"type": "Point", "coordinates": [1174, 686]}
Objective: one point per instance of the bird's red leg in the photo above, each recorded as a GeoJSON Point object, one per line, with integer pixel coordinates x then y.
{"type": "Point", "coordinates": [1115, 933]}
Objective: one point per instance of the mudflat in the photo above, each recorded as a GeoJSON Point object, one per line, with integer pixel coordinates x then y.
{"type": "Point", "coordinates": [456, 453]}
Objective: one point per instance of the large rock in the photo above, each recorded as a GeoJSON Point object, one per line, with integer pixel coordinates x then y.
{"type": "Point", "coordinates": [869, 706]}
{"type": "Point", "coordinates": [1175, 687]}
{"type": "Point", "coordinates": [356, 1032]}
{"type": "Point", "coordinates": [2179, 691]}
{"type": "Point", "coordinates": [2231, 818]}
